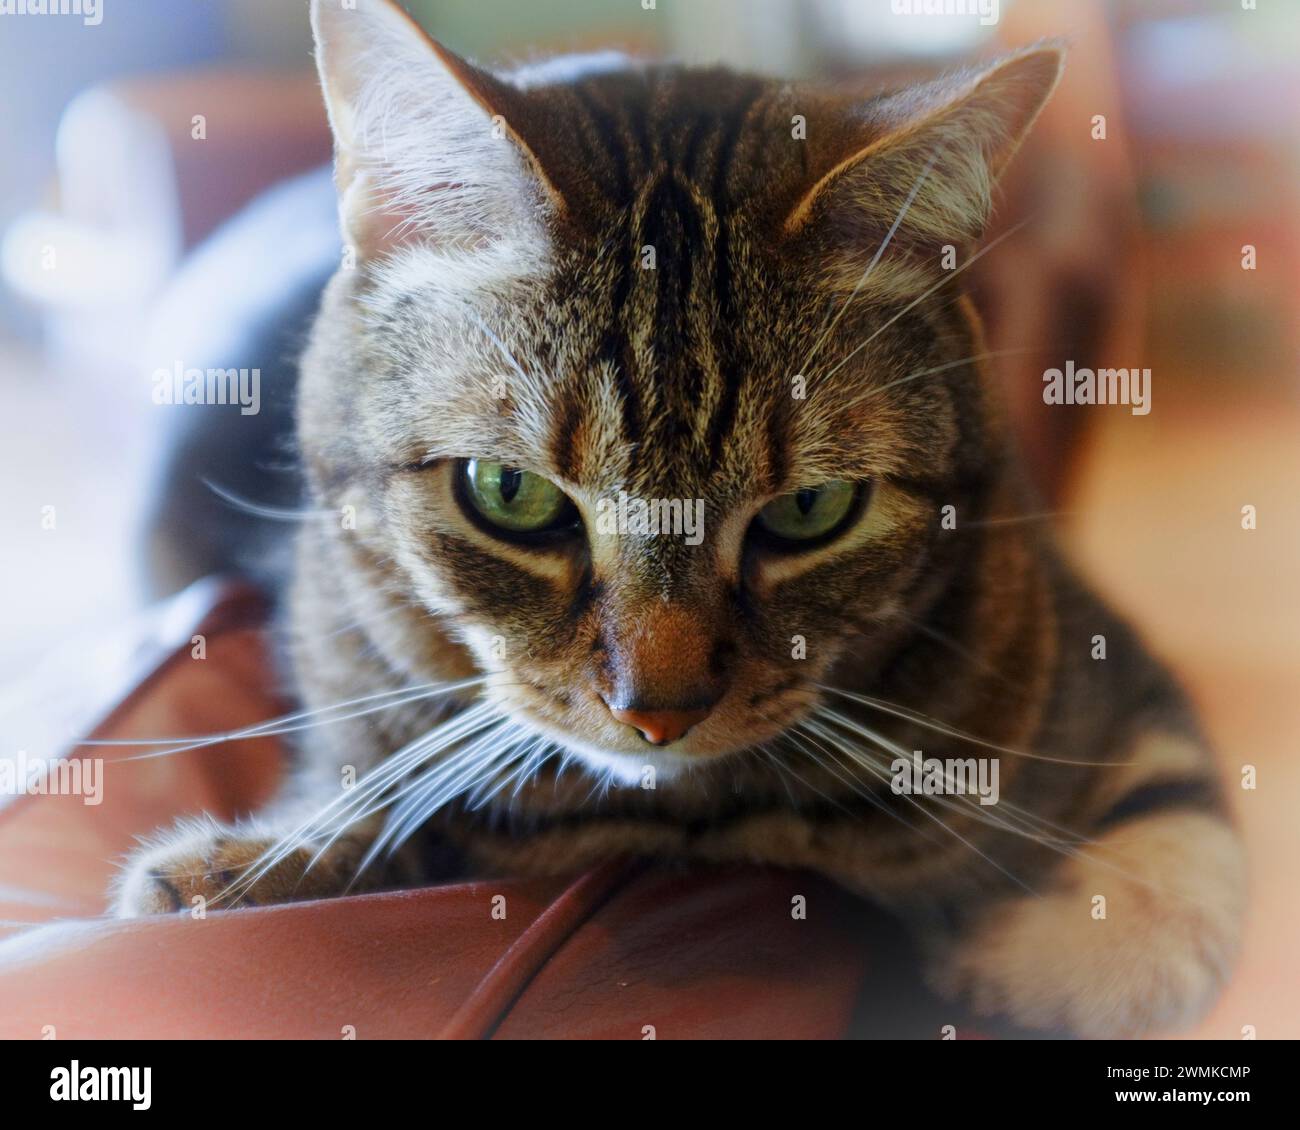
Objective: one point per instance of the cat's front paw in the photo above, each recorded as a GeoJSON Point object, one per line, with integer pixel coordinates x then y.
{"type": "Point", "coordinates": [1151, 957]}
{"type": "Point", "coordinates": [204, 864]}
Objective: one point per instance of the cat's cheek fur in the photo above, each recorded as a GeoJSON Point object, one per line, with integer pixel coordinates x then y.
{"type": "Point", "coordinates": [1173, 885]}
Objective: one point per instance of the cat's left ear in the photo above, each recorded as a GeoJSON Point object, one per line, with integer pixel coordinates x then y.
{"type": "Point", "coordinates": [426, 146]}
{"type": "Point", "coordinates": [942, 143]}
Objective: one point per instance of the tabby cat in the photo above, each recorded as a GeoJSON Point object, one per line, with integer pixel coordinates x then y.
{"type": "Point", "coordinates": [594, 280]}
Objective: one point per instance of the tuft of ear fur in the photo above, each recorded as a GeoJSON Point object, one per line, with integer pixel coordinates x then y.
{"type": "Point", "coordinates": [945, 141]}
{"type": "Point", "coordinates": [423, 145]}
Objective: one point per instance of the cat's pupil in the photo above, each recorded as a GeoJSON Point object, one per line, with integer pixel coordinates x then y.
{"type": "Point", "coordinates": [510, 480]}
{"type": "Point", "coordinates": [805, 500]}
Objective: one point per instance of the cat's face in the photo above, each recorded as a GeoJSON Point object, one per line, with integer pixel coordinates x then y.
{"type": "Point", "coordinates": [629, 404]}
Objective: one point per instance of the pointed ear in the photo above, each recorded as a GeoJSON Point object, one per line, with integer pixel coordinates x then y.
{"type": "Point", "coordinates": [423, 145]}
{"type": "Point", "coordinates": [952, 138]}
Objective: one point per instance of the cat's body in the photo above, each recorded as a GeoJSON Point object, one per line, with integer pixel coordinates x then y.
{"type": "Point", "coordinates": [765, 346]}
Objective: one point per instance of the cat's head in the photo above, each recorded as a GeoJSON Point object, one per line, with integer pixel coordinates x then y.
{"type": "Point", "coordinates": [595, 298]}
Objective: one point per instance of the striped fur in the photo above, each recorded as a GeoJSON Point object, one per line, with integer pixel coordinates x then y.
{"type": "Point", "coordinates": [513, 259]}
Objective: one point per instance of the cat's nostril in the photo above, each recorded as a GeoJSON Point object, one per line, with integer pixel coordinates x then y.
{"type": "Point", "coordinates": [661, 727]}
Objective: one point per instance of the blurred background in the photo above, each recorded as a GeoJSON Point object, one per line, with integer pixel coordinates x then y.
{"type": "Point", "coordinates": [136, 158]}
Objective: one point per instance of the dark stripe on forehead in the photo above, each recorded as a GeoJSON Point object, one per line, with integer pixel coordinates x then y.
{"type": "Point", "coordinates": [568, 437]}
{"type": "Point", "coordinates": [672, 226]}
{"type": "Point", "coordinates": [693, 252]}
{"type": "Point", "coordinates": [599, 127]}
{"type": "Point", "coordinates": [615, 348]}
{"type": "Point", "coordinates": [692, 229]}
{"type": "Point", "coordinates": [749, 102]}
{"type": "Point", "coordinates": [625, 134]}
{"type": "Point", "coordinates": [733, 368]}
{"type": "Point", "coordinates": [687, 164]}
{"type": "Point", "coordinates": [733, 372]}
{"type": "Point", "coordinates": [636, 132]}
{"type": "Point", "coordinates": [778, 430]}
{"type": "Point", "coordinates": [567, 416]}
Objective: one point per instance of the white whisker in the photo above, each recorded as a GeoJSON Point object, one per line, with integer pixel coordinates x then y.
{"type": "Point", "coordinates": [1029, 824]}
{"type": "Point", "coordinates": [926, 294]}
{"type": "Point", "coordinates": [879, 772]}
{"type": "Point", "coordinates": [441, 784]}
{"type": "Point", "coordinates": [276, 513]}
{"type": "Point", "coordinates": [871, 266]}
{"type": "Point", "coordinates": [834, 769]}
{"type": "Point", "coordinates": [878, 389]}
{"type": "Point", "coordinates": [934, 724]}
{"type": "Point", "coordinates": [289, 723]}
{"type": "Point", "coordinates": [340, 813]}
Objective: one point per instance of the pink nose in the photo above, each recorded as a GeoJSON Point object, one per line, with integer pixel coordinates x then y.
{"type": "Point", "coordinates": [659, 727]}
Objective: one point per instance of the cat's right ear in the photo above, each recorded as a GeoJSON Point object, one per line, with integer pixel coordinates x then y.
{"type": "Point", "coordinates": [424, 149]}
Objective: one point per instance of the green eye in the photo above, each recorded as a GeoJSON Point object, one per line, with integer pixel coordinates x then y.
{"type": "Point", "coordinates": [808, 514]}
{"type": "Point", "coordinates": [513, 499]}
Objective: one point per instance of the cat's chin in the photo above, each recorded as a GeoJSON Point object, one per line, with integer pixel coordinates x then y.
{"type": "Point", "coordinates": [640, 768]}
{"type": "Point", "coordinates": [634, 766]}
{"type": "Point", "coordinates": [633, 769]}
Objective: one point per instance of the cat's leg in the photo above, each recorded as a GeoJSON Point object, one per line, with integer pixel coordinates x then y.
{"type": "Point", "coordinates": [216, 866]}
{"type": "Point", "coordinates": [1134, 932]}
